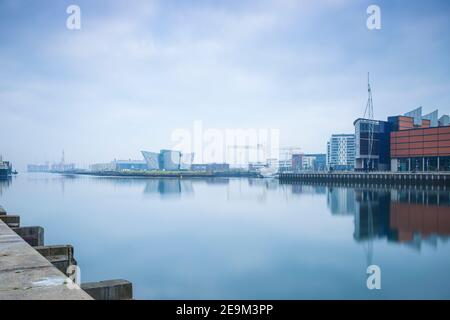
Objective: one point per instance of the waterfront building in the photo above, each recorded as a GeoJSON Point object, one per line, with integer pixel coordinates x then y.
{"type": "Point", "coordinates": [420, 143]}
{"type": "Point", "coordinates": [152, 159]}
{"type": "Point", "coordinates": [169, 160]}
{"type": "Point", "coordinates": [209, 167]}
{"type": "Point", "coordinates": [297, 162]}
{"type": "Point", "coordinates": [99, 167]}
{"type": "Point", "coordinates": [129, 165]}
{"type": "Point", "coordinates": [372, 150]}
{"type": "Point", "coordinates": [256, 166]}
{"type": "Point", "coordinates": [62, 167]}
{"type": "Point", "coordinates": [186, 161]}
{"type": "Point", "coordinates": [314, 162]}
{"type": "Point", "coordinates": [341, 152]}
{"type": "Point", "coordinates": [421, 149]}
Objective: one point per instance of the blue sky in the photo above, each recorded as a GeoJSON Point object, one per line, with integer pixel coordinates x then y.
{"type": "Point", "coordinates": [138, 70]}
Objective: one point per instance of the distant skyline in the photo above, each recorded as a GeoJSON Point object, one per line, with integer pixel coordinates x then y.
{"type": "Point", "coordinates": [138, 70]}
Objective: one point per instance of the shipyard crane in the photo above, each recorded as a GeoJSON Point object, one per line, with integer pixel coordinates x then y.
{"type": "Point", "coordinates": [258, 147]}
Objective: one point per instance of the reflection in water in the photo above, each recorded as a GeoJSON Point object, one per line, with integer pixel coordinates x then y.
{"type": "Point", "coordinates": [4, 184]}
{"type": "Point", "coordinates": [341, 201]}
{"type": "Point", "coordinates": [168, 187]}
{"type": "Point", "coordinates": [399, 215]}
{"type": "Point", "coordinates": [420, 215]}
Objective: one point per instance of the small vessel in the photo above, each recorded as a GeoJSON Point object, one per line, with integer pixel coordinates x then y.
{"type": "Point", "coordinates": [268, 172]}
{"type": "Point", "coordinates": [5, 169]}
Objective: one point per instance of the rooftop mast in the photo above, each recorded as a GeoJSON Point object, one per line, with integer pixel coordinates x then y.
{"type": "Point", "coordinates": [368, 114]}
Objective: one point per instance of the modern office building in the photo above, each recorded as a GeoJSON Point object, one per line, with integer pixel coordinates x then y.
{"type": "Point", "coordinates": [420, 143]}
{"type": "Point", "coordinates": [152, 159]}
{"type": "Point", "coordinates": [297, 162]}
{"type": "Point", "coordinates": [186, 161]}
{"type": "Point", "coordinates": [372, 149]}
{"type": "Point", "coordinates": [168, 160]}
{"type": "Point", "coordinates": [341, 152]}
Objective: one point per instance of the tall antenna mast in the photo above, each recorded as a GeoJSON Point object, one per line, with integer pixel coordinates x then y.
{"type": "Point", "coordinates": [368, 114]}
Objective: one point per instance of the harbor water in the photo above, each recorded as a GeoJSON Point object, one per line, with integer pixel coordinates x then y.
{"type": "Point", "coordinates": [242, 238]}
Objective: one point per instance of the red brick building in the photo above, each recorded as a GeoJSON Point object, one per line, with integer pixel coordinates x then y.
{"type": "Point", "coordinates": [419, 148]}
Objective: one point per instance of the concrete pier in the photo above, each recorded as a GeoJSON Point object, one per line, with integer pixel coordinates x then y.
{"type": "Point", "coordinates": [27, 275]}
{"type": "Point", "coordinates": [34, 236]}
{"type": "Point", "coordinates": [109, 290]}
{"type": "Point", "coordinates": [29, 270]}
{"type": "Point", "coordinates": [59, 256]}
{"type": "Point", "coordinates": [12, 221]}
{"type": "Point", "coordinates": [423, 178]}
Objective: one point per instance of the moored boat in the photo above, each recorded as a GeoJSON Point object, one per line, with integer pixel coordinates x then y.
{"type": "Point", "coordinates": [5, 169]}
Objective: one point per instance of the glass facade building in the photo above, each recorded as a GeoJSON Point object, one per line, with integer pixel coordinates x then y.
{"type": "Point", "coordinates": [372, 148]}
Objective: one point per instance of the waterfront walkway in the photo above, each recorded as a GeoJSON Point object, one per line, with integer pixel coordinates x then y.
{"type": "Point", "coordinates": [27, 275]}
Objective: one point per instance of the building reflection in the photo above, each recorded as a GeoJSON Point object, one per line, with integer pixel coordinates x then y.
{"type": "Point", "coordinates": [406, 216]}
{"type": "Point", "coordinates": [341, 201]}
{"type": "Point", "coordinates": [169, 187]}
{"type": "Point", "coordinates": [416, 213]}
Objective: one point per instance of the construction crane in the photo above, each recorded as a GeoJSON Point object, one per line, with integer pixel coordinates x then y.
{"type": "Point", "coordinates": [287, 152]}
{"type": "Point", "coordinates": [247, 148]}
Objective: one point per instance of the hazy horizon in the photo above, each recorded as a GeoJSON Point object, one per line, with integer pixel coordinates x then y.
{"type": "Point", "coordinates": [137, 71]}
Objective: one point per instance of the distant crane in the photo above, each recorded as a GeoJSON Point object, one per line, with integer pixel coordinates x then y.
{"type": "Point", "coordinates": [258, 147]}
{"type": "Point", "coordinates": [287, 152]}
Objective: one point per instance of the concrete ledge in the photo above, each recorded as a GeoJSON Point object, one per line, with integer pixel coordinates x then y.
{"type": "Point", "coordinates": [60, 256]}
{"type": "Point", "coordinates": [109, 290]}
{"type": "Point", "coordinates": [27, 275]}
{"type": "Point", "coordinates": [34, 236]}
{"type": "Point", "coordinates": [12, 221]}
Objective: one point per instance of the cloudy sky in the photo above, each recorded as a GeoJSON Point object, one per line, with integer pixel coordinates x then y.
{"type": "Point", "coordinates": [138, 70]}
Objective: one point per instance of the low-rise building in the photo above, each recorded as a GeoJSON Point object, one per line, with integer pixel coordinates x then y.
{"type": "Point", "coordinates": [420, 143]}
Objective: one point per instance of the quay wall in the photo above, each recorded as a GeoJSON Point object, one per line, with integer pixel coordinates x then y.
{"type": "Point", "coordinates": [441, 178]}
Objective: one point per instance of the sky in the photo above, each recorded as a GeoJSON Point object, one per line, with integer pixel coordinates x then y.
{"type": "Point", "coordinates": [137, 71]}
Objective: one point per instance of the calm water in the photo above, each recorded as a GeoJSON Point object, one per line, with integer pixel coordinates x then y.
{"type": "Point", "coordinates": [242, 238]}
